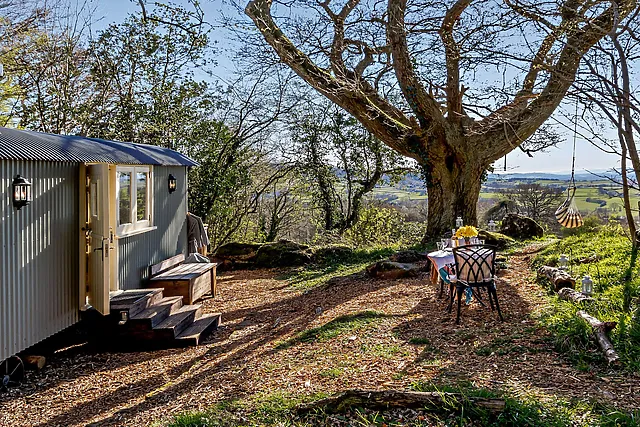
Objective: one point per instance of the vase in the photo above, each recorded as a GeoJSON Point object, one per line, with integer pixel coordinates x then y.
{"type": "Point", "coordinates": [467, 240]}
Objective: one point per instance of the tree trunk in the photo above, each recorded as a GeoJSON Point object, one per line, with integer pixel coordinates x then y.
{"type": "Point", "coordinates": [453, 189]}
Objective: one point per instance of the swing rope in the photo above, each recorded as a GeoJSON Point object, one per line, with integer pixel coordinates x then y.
{"type": "Point", "coordinates": [568, 214]}
{"type": "Point", "coordinates": [572, 182]}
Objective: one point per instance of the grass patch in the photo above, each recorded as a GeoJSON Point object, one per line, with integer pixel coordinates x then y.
{"type": "Point", "coordinates": [617, 287]}
{"type": "Point", "coordinates": [385, 351]}
{"type": "Point", "coordinates": [521, 409]}
{"type": "Point", "coordinates": [305, 278]}
{"type": "Point", "coordinates": [338, 326]}
{"type": "Point", "coordinates": [331, 373]}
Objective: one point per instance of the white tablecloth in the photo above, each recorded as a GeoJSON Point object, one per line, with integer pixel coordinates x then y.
{"type": "Point", "coordinates": [441, 258]}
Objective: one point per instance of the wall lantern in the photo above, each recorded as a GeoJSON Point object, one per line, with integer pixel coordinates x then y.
{"type": "Point", "coordinates": [587, 285]}
{"type": "Point", "coordinates": [173, 183]}
{"type": "Point", "coordinates": [492, 226]}
{"type": "Point", "coordinates": [563, 261]}
{"type": "Point", "coordinates": [21, 192]}
{"type": "Point", "coordinates": [459, 222]}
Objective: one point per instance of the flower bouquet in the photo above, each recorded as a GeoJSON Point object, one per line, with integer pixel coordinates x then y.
{"type": "Point", "coordinates": [467, 232]}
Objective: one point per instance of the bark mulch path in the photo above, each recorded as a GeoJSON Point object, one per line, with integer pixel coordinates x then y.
{"type": "Point", "coordinates": [415, 340]}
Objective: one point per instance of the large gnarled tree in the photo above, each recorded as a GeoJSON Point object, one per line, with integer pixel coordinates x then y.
{"type": "Point", "coordinates": [401, 68]}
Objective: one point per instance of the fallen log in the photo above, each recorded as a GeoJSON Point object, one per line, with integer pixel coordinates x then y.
{"type": "Point", "coordinates": [384, 399]}
{"type": "Point", "coordinates": [559, 278]}
{"type": "Point", "coordinates": [600, 330]}
{"type": "Point", "coordinates": [589, 259]}
{"type": "Point", "coordinates": [569, 294]}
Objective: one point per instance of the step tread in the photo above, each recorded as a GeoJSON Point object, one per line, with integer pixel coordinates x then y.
{"type": "Point", "coordinates": [127, 299]}
{"type": "Point", "coordinates": [164, 304]}
{"type": "Point", "coordinates": [178, 316]}
{"type": "Point", "coordinates": [207, 322]}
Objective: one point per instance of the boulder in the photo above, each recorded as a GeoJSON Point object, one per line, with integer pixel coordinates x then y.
{"type": "Point", "coordinates": [238, 250]}
{"type": "Point", "coordinates": [408, 256]}
{"type": "Point", "coordinates": [284, 253]}
{"type": "Point", "coordinates": [495, 239]}
{"type": "Point", "coordinates": [520, 227]}
{"type": "Point", "coordinates": [332, 252]}
{"type": "Point", "coordinates": [387, 269]}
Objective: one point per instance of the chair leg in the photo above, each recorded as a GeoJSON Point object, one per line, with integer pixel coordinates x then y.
{"type": "Point", "coordinates": [495, 296]}
{"type": "Point", "coordinates": [459, 291]}
{"type": "Point", "coordinates": [451, 296]}
{"type": "Point", "coordinates": [490, 298]}
{"type": "Point", "coordinates": [476, 293]}
{"type": "Point", "coordinates": [441, 287]}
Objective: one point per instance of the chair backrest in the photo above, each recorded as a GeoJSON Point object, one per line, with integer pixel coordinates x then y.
{"type": "Point", "coordinates": [475, 263]}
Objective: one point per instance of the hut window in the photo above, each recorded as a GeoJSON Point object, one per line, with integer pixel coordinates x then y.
{"type": "Point", "coordinates": [133, 199]}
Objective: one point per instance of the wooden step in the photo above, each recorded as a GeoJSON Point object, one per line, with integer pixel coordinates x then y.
{"type": "Point", "coordinates": [199, 330]}
{"type": "Point", "coordinates": [177, 322]}
{"type": "Point", "coordinates": [135, 301]}
{"type": "Point", "coordinates": [154, 315]}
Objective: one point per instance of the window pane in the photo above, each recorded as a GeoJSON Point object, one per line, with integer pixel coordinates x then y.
{"type": "Point", "coordinates": [142, 178]}
{"type": "Point", "coordinates": [124, 195]}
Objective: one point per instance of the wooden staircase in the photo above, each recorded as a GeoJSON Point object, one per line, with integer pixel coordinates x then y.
{"type": "Point", "coordinates": [144, 317]}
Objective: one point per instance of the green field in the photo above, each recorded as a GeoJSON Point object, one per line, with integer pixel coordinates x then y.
{"type": "Point", "coordinates": [585, 190]}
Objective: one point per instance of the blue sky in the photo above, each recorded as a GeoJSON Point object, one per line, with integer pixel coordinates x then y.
{"type": "Point", "coordinates": [555, 160]}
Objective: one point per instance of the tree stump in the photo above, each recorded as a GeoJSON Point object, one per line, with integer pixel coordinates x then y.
{"type": "Point", "coordinates": [600, 330]}
{"type": "Point", "coordinates": [559, 278]}
{"type": "Point", "coordinates": [384, 399]}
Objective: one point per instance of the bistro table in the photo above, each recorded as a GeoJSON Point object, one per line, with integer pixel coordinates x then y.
{"type": "Point", "coordinates": [439, 261]}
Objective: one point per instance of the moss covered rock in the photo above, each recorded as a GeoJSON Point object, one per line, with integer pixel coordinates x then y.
{"type": "Point", "coordinates": [333, 252]}
{"type": "Point", "coordinates": [520, 227]}
{"type": "Point", "coordinates": [238, 250]}
{"type": "Point", "coordinates": [495, 239]}
{"type": "Point", "coordinates": [284, 253]}
{"type": "Point", "coordinates": [387, 269]}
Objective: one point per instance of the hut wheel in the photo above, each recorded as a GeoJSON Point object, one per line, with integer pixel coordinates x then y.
{"type": "Point", "coordinates": [11, 372]}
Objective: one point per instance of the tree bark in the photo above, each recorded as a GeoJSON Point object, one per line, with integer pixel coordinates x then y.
{"type": "Point", "coordinates": [559, 278]}
{"type": "Point", "coordinates": [453, 188]}
{"type": "Point", "coordinates": [600, 330]}
{"type": "Point", "coordinates": [384, 399]}
{"type": "Point", "coordinates": [569, 294]}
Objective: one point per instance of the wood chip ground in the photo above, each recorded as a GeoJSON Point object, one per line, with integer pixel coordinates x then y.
{"type": "Point", "coordinates": [80, 386]}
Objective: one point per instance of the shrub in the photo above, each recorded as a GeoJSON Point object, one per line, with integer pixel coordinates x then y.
{"type": "Point", "coordinates": [383, 226]}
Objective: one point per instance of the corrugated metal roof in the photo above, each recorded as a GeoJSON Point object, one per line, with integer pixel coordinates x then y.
{"type": "Point", "coordinates": [28, 145]}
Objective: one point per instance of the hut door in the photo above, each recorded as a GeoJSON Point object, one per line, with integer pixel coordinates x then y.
{"type": "Point", "coordinates": [101, 237]}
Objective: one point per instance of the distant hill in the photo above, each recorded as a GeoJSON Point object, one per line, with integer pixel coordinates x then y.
{"type": "Point", "coordinates": [558, 176]}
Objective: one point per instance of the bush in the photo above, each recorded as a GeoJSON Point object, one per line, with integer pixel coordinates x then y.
{"type": "Point", "coordinates": [383, 226]}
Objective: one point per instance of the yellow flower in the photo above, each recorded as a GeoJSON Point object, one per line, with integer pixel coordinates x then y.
{"type": "Point", "coordinates": [467, 231]}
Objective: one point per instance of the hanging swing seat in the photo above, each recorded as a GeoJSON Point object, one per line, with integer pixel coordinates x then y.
{"type": "Point", "coordinates": [568, 214]}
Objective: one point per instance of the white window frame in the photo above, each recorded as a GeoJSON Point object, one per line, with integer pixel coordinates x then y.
{"type": "Point", "coordinates": [135, 226]}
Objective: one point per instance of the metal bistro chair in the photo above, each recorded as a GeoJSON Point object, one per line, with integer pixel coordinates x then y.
{"type": "Point", "coordinates": [475, 270]}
